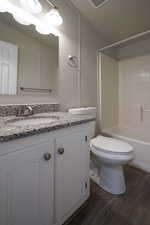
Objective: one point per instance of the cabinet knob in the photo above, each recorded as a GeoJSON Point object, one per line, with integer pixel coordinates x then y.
{"type": "Point", "coordinates": [47, 156]}
{"type": "Point", "coordinates": [61, 151]}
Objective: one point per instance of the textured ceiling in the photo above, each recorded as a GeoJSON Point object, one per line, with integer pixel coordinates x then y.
{"type": "Point", "coordinates": [117, 19]}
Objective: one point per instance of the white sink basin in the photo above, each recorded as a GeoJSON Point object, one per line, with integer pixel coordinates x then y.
{"type": "Point", "coordinates": [32, 120]}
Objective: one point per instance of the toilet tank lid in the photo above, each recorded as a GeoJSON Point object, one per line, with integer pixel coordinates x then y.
{"type": "Point", "coordinates": [82, 110]}
{"type": "Point", "coordinates": [110, 144]}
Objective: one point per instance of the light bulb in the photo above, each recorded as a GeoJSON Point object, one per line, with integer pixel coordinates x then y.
{"type": "Point", "coordinates": [2, 9]}
{"type": "Point", "coordinates": [3, 6]}
{"type": "Point", "coordinates": [34, 6]}
{"type": "Point", "coordinates": [53, 18]}
{"type": "Point", "coordinates": [23, 17]}
{"type": "Point", "coordinates": [43, 29]}
{"type": "Point", "coordinates": [21, 20]}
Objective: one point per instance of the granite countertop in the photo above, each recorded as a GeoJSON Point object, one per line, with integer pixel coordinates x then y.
{"type": "Point", "coordinates": [10, 131]}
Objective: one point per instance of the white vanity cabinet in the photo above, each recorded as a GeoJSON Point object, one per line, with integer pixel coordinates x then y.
{"type": "Point", "coordinates": [44, 178]}
{"type": "Point", "coordinates": [71, 173]}
{"type": "Point", "coordinates": [26, 186]}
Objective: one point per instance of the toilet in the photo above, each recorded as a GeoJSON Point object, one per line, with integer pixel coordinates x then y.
{"type": "Point", "coordinates": [110, 155]}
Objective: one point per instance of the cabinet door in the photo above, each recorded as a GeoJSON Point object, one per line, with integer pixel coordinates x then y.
{"type": "Point", "coordinates": [72, 173]}
{"type": "Point", "coordinates": [26, 187]}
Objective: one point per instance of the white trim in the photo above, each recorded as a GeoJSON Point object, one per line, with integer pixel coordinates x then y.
{"type": "Point", "coordinates": [124, 40]}
{"type": "Point", "coordinates": [99, 87]}
{"type": "Point", "coordinates": [79, 60]}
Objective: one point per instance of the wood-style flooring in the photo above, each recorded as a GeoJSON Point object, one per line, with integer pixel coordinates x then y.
{"type": "Point", "coordinates": [131, 208]}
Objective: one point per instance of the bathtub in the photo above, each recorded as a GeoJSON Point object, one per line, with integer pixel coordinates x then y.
{"type": "Point", "coordinates": [139, 138]}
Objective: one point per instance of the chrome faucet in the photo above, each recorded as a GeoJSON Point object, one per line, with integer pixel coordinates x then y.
{"type": "Point", "coordinates": [25, 111]}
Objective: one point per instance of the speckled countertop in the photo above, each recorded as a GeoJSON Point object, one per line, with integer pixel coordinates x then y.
{"type": "Point", "coordinates": [10, 129]}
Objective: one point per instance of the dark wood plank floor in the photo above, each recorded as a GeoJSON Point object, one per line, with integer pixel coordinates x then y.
{"type": "Point", "coordinates": [131, 208]}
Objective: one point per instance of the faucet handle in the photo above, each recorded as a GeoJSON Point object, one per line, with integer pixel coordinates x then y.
{"type": "Point", "coordinates": [24, 111]}
{"type": "Point", "coordinates": [28, 111]}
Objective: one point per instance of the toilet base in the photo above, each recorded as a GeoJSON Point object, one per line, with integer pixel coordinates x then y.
{"type": "Point", "coordinates": [111, 179]}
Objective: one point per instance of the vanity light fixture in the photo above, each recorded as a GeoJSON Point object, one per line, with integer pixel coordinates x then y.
{"type": "Point", "coordinates": [27, 12]}
{"type": "Point", "coordinates": [20, 15]}
{"type": "Point", "coordinates": [41, 29]}
{"type": "Point", "coordinates": [33, 6]}
{"type": "Point", "coordinates": [21, 20]}
{"type": "Point", "coordinates": [2, 9]}
{"type": "Point", "coordinates": [53, 17]}
{"type": "Point", "coordinates": [3, 6]}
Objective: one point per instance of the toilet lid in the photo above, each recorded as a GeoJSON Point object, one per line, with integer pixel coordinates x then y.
{"type": "Point", "coordinates": [110, 144]}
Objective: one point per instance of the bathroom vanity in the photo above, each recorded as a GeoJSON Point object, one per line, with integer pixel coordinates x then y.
{"type": "Point", "coordinates": [44, 177]}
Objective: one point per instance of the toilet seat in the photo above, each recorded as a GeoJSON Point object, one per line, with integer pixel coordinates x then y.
{"type": "Point", "coordinates": [110, 145]}
{"type": "Point", "coordinates": [113, 157]}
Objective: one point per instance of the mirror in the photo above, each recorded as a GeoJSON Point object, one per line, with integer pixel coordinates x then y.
{"type": "Point", "coordinates": [28, 60]}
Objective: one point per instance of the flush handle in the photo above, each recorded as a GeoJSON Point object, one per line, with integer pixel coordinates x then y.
{"type": "Point", "coordinates": [61, 151]}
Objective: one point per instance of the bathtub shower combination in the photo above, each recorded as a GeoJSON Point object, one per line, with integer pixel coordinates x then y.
{"type": "Point", "coordinates": [124, 95]}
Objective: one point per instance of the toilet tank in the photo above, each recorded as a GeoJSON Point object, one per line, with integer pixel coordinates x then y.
{"type": "Point", "coordinates": [86, 111]}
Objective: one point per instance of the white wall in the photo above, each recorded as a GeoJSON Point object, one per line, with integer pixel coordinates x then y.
{"type": "Point", "coordinates": [134, 82]}
{"type": "Point", "coordinates": [134, 89]}
{"type": "Point", "coordinates": [69, 43]}
{"type": "Point", "coordinates": [108, 82]}
{"type": "Point", "coordinates": [90, 43]}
